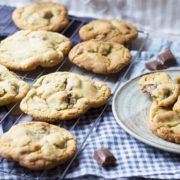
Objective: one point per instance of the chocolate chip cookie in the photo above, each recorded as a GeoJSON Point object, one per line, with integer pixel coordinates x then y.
{"type": "Point", "coordinates": [109, 30]}
{"type": "Point", "coordinates": [63, 96]}
{"type": "Point", "coordinates": [164, 116]}
{"type": "Point", "coordinates": [166, 94]}
{"type": "Point", "coordinates": [100, 57]}
{"type": "Point", "coordinates": [41, 16]}
{"type": "Point", "coordinates": [12, 88]}
{"type": "Point", "coordinates": [150, 81]}
{"type": "Point", "coordinates": [37, 145]}
{"type": "Point", "coordinates": [165, 123]}
{"type": "Point", "coordinates": [26, 50]}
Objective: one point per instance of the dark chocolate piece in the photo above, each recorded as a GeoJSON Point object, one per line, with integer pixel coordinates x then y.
{"type": "Point", "coordinates": [167, 58]}
{"type": "Point", "coordinates": [149, 88]}
{"type": "Point", "coordinates": [104, 157]}
{"type": "Point", "coordinates": [154, 65]}
{"type": "Point", "coordinates": [71, 99]}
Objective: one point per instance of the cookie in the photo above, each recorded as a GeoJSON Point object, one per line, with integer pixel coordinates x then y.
{"type": "Point", "coordinates": [176, 106]}
{"type": "Point", "coordinates": [150, 81]}
{"type": "Point", "coordinates": [63, 96]}
{"type": "Point", "coordinates": [12, 88]}
{"type": "Point", "coordinates": [178, 79]}
{"type": "Point", "coordinates": [154, 110]}
{"type": "Point", "coordinates": [26, 50]}
{"type": "Point", "coordinates": [37, 145]}
{"type": "Point", "coordinates": [165, 123]}
{"type": "Point", "coordinates": [41, 16]}
{"type": "Point", "coordinates": [165, 94]}
{"type": "Point", "coordinates": [100, 57]}
{"type": "Point", "coordinates": [109, 30]}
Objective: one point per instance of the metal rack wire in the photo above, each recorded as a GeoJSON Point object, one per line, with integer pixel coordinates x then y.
{"type": "Point", "coordinates": [111, 80]}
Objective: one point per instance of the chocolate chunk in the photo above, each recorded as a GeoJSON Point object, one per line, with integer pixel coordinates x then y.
{"type": "Point", "coordinates": [104, 157]}
{"type": "Point", "coordinates": [71, 99]}
{"type": "Point", "coordinates": [154, 65]}
{"type": "Point", "coordinates": [167, 58]}
{"type": "Point", "coordinates": [148, 88]}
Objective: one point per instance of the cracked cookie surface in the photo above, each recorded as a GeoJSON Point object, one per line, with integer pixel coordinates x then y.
{"type": "Point", "coordinates": [109, 30]}
{"type": "Point", "coordinates": [166, 94]}
{"type": "Point", "coordinates": [26, 50]}
{"type": "Point", "coordinates": [37, 145]}
{"type": "Point", "coordinates": [178, 79]}
{"type": "Point", "coordinates": [12, 88]}
{"type": "Point", "coordinates": [165, 123]}
{"type": "Point", "coordinates": [100, 57]}
{"type": "Point", "coordinates": [150, 81]}
{"type": "Point", "coordinates": [176, 106]}
{"type": "Point", "coordinates": [63, 96]}
{"type": "Point", "coordinates": [41, 16]}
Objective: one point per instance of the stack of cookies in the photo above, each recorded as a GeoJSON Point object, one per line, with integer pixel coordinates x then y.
{"type": "Point", "coordinates": [60, 95]}
{"type": "Point", "coordinates": [164, 116]}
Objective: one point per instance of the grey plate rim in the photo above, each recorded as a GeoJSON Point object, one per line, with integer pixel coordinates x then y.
{"type": "Point", "coordinates": [133, 134]}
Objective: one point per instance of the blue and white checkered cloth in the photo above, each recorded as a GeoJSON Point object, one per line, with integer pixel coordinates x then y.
{"type": "Point", "coordinates": [134, 159]}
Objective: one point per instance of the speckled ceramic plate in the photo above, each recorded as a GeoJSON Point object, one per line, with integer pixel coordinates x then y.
{"type": "Point", "coordinates": [131, 108]}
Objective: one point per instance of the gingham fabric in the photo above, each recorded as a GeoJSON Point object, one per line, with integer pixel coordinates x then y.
{"type": "Point", "coordinates": [134, 159]}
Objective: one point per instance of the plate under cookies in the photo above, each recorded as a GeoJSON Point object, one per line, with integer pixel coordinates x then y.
{"type": "Point", "coordinates": [131, 108]}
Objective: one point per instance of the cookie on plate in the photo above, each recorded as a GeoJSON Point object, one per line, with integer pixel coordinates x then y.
{"type": "Point", "coordinates": [109, 30]}
{"type": "Point", "coordinates": [166, 94]}
{"type": "Point", "coordinates": [150, 81]}
{"type": "Point", "coordinates": [165, 123]}
{"type": "Point", "coordinates": [100, 57]}
{"type": "Point", "coordinates": [12, 88]}
{"type": "Point", "coordinates": [41, 16]}
{"type": "Point", "coordinates": [176, 106]}
{"type": "Point", "coordinates": [37, 145]}
{"type": "Point", "coordinates": [178, 79]}
{"type": "Point", "coordinates": [155, 109]}
{"type": "Point", "coordinates": [63, 96]}
{"type": "Point", "coordinates": [26, 50]}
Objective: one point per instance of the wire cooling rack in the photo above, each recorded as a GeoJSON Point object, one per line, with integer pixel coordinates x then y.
{"type": "Point", "coordinates": [11, 115]}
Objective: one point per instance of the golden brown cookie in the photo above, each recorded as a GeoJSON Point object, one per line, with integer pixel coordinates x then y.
{"type": "Point", "coordinates": [109, 30]}
{"type": "Point", "coordinates": [37, 145]}
{"type": "Point", "coordinates": [176, 106]}
{"type": "Point", "coordinates": [150, 81]}
{"type": "Point", "coordinates": [165, 123]}
{"type": "Point", "coordinates": [26, 50]}
{"type": "Point", "coordinates": [12, 88]}
{"type": "Point", "coordinates": [178, 79]}
{"type": "Point", "coordinates": [166, 94]}
{"type": "Point", "coordinates": [41, 16]}
{"type": "Point", "coordinates": [100, 57]}
{"type": "Point", "coordinates": [155, 109]}
{"type": "Point", "coordinates": [63, 96]}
